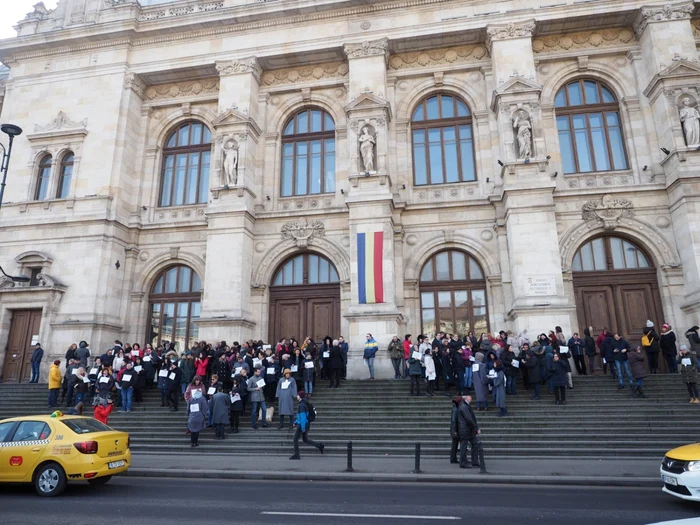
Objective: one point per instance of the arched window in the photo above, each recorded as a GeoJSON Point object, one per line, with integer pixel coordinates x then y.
{"type": "Point", "coordinates": [174, 307]}
{"type": "Point", "coordinates": [609, 253]}
{"type": "Point", "coordinates": [453, 294]}
{"type": "Point", "coordinates": [43, 178]}
{"type": "Point", "coordinates": [308, 154]}
{"type": "Point", "coordinates": [443, 145]}
{"type": "Point", "coordinates": [65, 176]}
{"type": "Point", "coordinates": [306, 269]}
{"type": "Point", "coordinates": [590, 132]}
{"type": "Point", "coordinates": [186, 160]}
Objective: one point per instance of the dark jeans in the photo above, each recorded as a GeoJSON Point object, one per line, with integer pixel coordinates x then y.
{"type": "Point", "coordinates": [580, 364]}
{"type": "Point", "coordinates": [591, 363]}
{"type": "Point", "coordinates": [560, 393]}
{"type": "Point", "coordinates": [69, 396]}
{"type": "Point", "coordinates": [653, 360]}
{"type": "Point", "coordinates": [396, 362]}
{"type": "Point", "coordinates": [671, 362]}
{"type": "Point", "coordinates": [53, 397]}
{"type": "Point", "coordinates": [460, 381]}
{"type": "Point", "coordinates": [255, 406]}
{"type": "Point", "coordinates": [336, 373]}
{"type": "Point", "coordinates": [35, 372]}
{"type": "Point", "coordinates": [415, 383]}
{"type": "Point", "coordinates": [510, 385]}
{"type": "Point", "coordinates": [453, 450]}
{"type": "Point", "coordinates": [234, 418]}
{"type": "Point", "coordinates": [537, 389]}
{"type": "Point", "coordinates": [692, 389]}
{"type": "Point", "coordinates": [194, 438]}
{"type": "Point", "coordinates": [174, 396]}
{"type": "Point", "coordinates": [305, 438]}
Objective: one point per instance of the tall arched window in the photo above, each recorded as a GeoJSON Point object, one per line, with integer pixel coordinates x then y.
{"type": "Point", "coordinates": [590, 131]}
{"type": "Point", "coordinates": [43, 178]}
{"type": "Point", "coordinates": [174, 307]}
{"type": "Point", "coordinates": [308, 154]}
{"type": "Point", "coordinates": [443, 145]}
{"type": "Point", "coordinates": [186, 160]}
{"type": "Point", "coordinates": [609, 253]}
{"type": "Point", "coordinates": [65, 176]}
{"type": "Point", "coordinates": [453, 294]}
{"type": "Point", "coordinates": [306, 269]}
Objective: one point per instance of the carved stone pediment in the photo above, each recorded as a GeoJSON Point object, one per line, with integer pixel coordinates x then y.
{"type": "Point", "coordinates": [302, 231]}
{"type": "Point", "coordinates": [681, 72]}
{"type": "Point", "coordinates": [233, 116]}
{"type": "Point", "coordinates": [608, 211]}
{"type": "Point", "coordinates": [369, 101]}
{"type": "Point", "coordinates": [60, 122]}
{"type": "Point", "coordinates": [517, 85]}
{"type": "Point", "coordinates": [44, 281]}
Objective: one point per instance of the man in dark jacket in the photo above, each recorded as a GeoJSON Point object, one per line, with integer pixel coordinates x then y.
{"type": "Point", "coordinates": [577, 349]}
{"type": "Point", "coordinates": [589, 344]}
{"type": "Point", "coordinates": [151, 364]}
{"type": "Point", "coordinates": [454, 429]}
{"type": "Point", "coordinates": [469, 434]}
{"type": "Point", "coordinates": [37, 356]}
{"type": "Point", "coordinates": [534, 375]}
{"type": "Point", "coordinates": [650, 344]}
{"type": "Point", "coordinates": [82, 354]}
{"type": "Point", "coordinates": [607, 351]}
{"type": "Point", "coordinates": [511, 370]}
{"type": "Point", "coordinates": [336, 364]}
{"type": "Point", "coordinates": [344, 348]}
{"type": "Point", "coordinates": [559, 370]}
{"type": "Point", "coordinates": [173, 385]}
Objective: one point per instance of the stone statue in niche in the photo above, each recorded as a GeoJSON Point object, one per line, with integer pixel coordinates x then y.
{"type": "Point", "coordinates": [367, 147]}
{"type": "Point", "coordinates": [690, 118]}
{"type": "Point", "coordinates": [521, 123]}
{"type": "Point", "coordinates": [231, 162]}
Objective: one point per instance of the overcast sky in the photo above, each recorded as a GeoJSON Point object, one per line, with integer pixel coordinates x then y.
{"type": "Point", "coordinates": [12, 11]}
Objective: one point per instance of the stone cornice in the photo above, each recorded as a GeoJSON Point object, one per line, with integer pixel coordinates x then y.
{"type": "Point", "coordinates": [133, 82]}
{"type": "Point", "coordinates": [509, 31]}
{"type": "Point", "coordinates": [240, 67]}
{"type": "Point", "coordinates": [663, 13]}
{"type": "Point", "coordinates": [368, 49]}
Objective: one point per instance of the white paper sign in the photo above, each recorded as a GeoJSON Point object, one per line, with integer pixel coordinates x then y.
{"type": "Point", "coordinates": [308, 364]}
{"type": "Point", "coordinates": [138, 368]}
{"type": "Point", "coordinates": [326, 355]}
{"type": "Point", "coordinates": [126, 377]}
{"type": "Point", "coordinates": [147, 359]}
{"type": "Point", "coordinates": [604, 361]}
{"type": "Point", "coordinates": [285, 385]}
{"type": "Point", "coordinates": [236, 372]}
{"type": "Point", "coordinates": [211, 391]}
{"type": "Point", "coordinates": [271, 370]}
{"type": "Point", "coordinates": [93, 371]}
{"type": "Point", "coordinates": [172, 376]}
{"type": "Point", "coordinates": [493, 374]}
{"type": "Point", "coordinates": [35, 339]}
{"type": "Point", "coordinates": [540, 285]}
{"type": "Point", "coordinates": [563, 349]}
{"type": "Point", "coordinates": [261, 383]}
{"type": "Point", "coordinates": [267, 347]}
{"type": "Point", "coordinates": [475, 367]}
{"type": "Point", "coordinates": [163, 373]}
{"type": "Point", "coordinates": [516, 363]}
{"type": "Point", "coordinates": [415, 355]}
{"type": "Point", "coordinates": [257, 362]}
{"type": "Point", "coordinates": [194, 408]}
{"type": "Point", "coordinates": [685, 361]}
{"type": "Point", "coordinates": [472, 359]}
{"type": "Point", "coordinates": [235, 398]}
{"type": "Point", "coordinates": [75, 371]}
{"type": "Point", "coordinates": [294, 368]}
{"type": "Point", "coordinates": [104, 379]}
{"type": "Point", "coordinates": [85, 380]}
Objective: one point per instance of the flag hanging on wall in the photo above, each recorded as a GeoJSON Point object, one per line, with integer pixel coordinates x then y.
{"type": "Point", "coordinates": [370, 267]}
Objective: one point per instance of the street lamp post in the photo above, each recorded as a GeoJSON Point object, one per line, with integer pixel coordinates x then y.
{"type": "Point", "coordinates": [11, 131]}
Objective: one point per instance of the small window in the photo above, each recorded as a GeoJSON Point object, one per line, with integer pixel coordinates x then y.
{"type": "Point", "coordinates": [5, 429]}
{"type": "Point", "coordinates": [186, 163]}
{"type": "Point", "coordinates": [85, 425]}
{"type": "Point", "coordinates": [31, 431]}
{"type": "Point", "coordinates": [34, 278]}
{"type": "Point", "coordinates": [66, 176]}
{"type": "Point", "coordinates": [43, 178]}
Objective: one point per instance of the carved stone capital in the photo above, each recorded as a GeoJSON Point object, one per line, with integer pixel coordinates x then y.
{"type": "Point", "coordinates": [133, 82]}
{"type": "Point", "coordinates": [508, 31]}
{"type": "Point", "coordinates": [239, 67]}
{"type": "Point", "coordinates": [368, 49]}
{"type": "Point", "coordinates": [665, 13]}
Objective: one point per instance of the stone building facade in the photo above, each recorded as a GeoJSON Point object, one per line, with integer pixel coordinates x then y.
{"type": "Point", "coordinates": [212, 169]}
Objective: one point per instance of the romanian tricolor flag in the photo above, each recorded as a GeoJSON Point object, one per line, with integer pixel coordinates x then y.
{"type": "Point", "coordinates": [370, 267]}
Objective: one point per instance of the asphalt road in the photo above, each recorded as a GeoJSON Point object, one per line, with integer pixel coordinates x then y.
{"type": "Point", "coordinates": [172, 502]}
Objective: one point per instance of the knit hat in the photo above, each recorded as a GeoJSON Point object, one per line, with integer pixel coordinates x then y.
{"type": "Point", "coordinates": [650, 324]}
{"type": "Point", "coordinates": [301, 394]}
{"type": "Point", "coordinates": [684, 348]}
{"type": "Point", "coordinates": [665, 326]}
{"type": "Point", "coordinates": [286, 371]}
{"type": "Point", "coordinates": [57, 362]}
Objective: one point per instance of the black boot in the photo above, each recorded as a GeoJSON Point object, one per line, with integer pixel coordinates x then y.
{"type": "Point", "coordinates": [639, 392]}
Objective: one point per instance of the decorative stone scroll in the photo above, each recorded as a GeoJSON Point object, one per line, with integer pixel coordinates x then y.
{"type": "Point", "coordinates": [608, 211]}
{"type": "Point", "coordinates": [60, 122]}
{"type": "Point", "coordinates": [647, 15]}
{"type": "Point", "coordinates": [435, 57]}
{"type": "Point", "coordinates": [182, 89]}
{"type": "Point", "coordinates": [305, 74]}
{"type": "Point", "coordinates": [508, 31]}
{"type": "Point", "coordinates": [585, 39]}
{"type": "Point", "coordinates": [367, 49]}
{"type": "Point", "coordinates": [238, 67]}
{"type": "Point", "coordinates": [301, 232]}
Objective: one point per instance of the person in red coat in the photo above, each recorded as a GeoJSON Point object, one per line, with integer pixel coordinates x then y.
{"type": "Point", "coordinates": [103, 410]}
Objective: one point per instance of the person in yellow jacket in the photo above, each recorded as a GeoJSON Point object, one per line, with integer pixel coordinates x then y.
{"type": "Point", "coordinates": [55, 382]}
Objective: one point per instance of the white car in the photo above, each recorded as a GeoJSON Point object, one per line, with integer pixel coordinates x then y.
{"type": "Point", "coordinates": [680, 472]}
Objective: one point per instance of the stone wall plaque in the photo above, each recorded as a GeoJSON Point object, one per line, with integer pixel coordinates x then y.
{"type": "Point", "coordinates": [540, 285]}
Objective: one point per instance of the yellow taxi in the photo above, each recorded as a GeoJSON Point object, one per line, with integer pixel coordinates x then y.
{"type": "Point", "coordinates": [680, 472]}
{"type": "Point", "coordinates": [49, 451]}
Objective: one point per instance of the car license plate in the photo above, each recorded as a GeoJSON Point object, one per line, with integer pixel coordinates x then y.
{"type": "Point", "coordinates": [117, 464]}
{"type": "Point", "coordinates": [670, 480]}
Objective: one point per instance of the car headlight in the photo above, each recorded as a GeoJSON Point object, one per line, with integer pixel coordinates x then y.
{"type": "Point", "coordinates": [693, 466]}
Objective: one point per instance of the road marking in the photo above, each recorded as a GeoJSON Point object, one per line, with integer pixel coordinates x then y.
{"type": "Point", "coordinates": [377, 516]}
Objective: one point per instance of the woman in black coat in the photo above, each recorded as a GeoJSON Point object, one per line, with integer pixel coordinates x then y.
{"type": "Point", "coordinates": [651, 349]}
{"type": "Point", "coordinates": [667, 342]}
{"type": "Point", "coordinates": [589, 345]}
{"type": "Point", "coordinates": [335, 362]}
{"type": "Point", "coordinates": [447, 369]}
{"type": "Point", "coordinates": [454, 430]}
{"type": "Point", "coordinates": [534, 376]}
{"type": "Point", "coordinates": [140, 383]}
{"type": "Point", "coordinates": [559, 378]}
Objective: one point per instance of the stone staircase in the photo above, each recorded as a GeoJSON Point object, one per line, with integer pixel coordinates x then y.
{"type": "Point", "coordinates": [382, 419]}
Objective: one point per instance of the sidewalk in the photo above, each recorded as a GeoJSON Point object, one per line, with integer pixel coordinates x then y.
{"type": "Point", "coordinates": [316, 467]}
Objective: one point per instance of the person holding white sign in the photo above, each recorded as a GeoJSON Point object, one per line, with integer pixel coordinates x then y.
{"type": "Point", "coordinates": [415, 371]}
{"type": "Point", "coordinates": [688, 366]}
{"type": "Point", "coordinates": [197, 413]}
{"type": "Point", "coordinates": [104, 385]}
{"type": "Point", "coordinates": [257, 400]}
{"type": "Point", "coordinates": [309, 374]}
{"type": "Point", "coordinates": [622, 348]}
{"type": "Point", "coordinates": [286, 394]}
{"type": "Point", "coordinates": [173, 385]}
{"type": "Point", "coordinates": [127, 379]}
{"type": "Point", "coordinates": [238, 393]}
{"type": "Point", "coordinates": [82, 384]}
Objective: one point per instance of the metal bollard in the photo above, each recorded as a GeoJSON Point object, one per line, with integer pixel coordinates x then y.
{"type": "Point", "coordinates": [417, 469]}
{"type": "Point", "coordinates": [349, 469]}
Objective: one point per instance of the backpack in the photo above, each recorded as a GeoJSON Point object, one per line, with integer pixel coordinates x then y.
{"type": "Point", "coordinates": [312, 413]}
{"type": "Point", "coordinates": [646, 340]}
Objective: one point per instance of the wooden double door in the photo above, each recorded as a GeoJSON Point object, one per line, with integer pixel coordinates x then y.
{"type": "Point", "coordinates": [298, 311]}
{"type": "Point", "coordinates": [24, 327]}
{"type": "Point", "coordinates": [621, 301]}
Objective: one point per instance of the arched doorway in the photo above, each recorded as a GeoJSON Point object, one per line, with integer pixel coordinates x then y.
{"type": "Point", "coordinates": [305, 299]}
{"type": "Point", "coordinates": [453, 295]}
{"type": "Point", "coordinates": [174, 306]}
{"type": "Point", "coordinates": [616, 287]}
